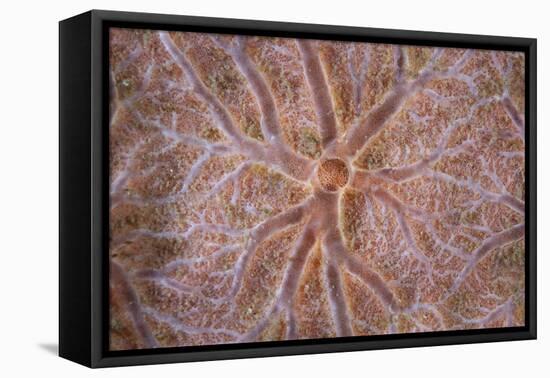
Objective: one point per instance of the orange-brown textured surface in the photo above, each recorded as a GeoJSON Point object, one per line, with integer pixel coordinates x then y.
{"type": "Point", "coordinates": [333, 174]}
{"type": "Point", "coordinates": [275, 189]}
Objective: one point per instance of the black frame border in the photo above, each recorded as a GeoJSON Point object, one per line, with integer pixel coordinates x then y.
{"type": "Point", "coordinates": [96, 325]}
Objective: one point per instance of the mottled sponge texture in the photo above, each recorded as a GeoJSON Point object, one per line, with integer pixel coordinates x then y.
{"type": "Point", "coordinates": [267, 189]}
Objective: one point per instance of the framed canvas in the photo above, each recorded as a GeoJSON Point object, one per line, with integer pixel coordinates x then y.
{"type": "Point", "coordinates": [233, 188]}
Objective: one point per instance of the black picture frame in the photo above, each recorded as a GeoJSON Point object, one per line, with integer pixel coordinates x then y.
{"type": "Point", "coordinates": [84, 194]}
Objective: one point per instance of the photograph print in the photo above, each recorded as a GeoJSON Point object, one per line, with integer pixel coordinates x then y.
{"type": "Point", "coordinates": [273, 189]}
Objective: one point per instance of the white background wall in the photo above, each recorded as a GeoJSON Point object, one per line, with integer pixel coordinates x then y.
{"type": "Point", "coordinates": [29, 186]}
